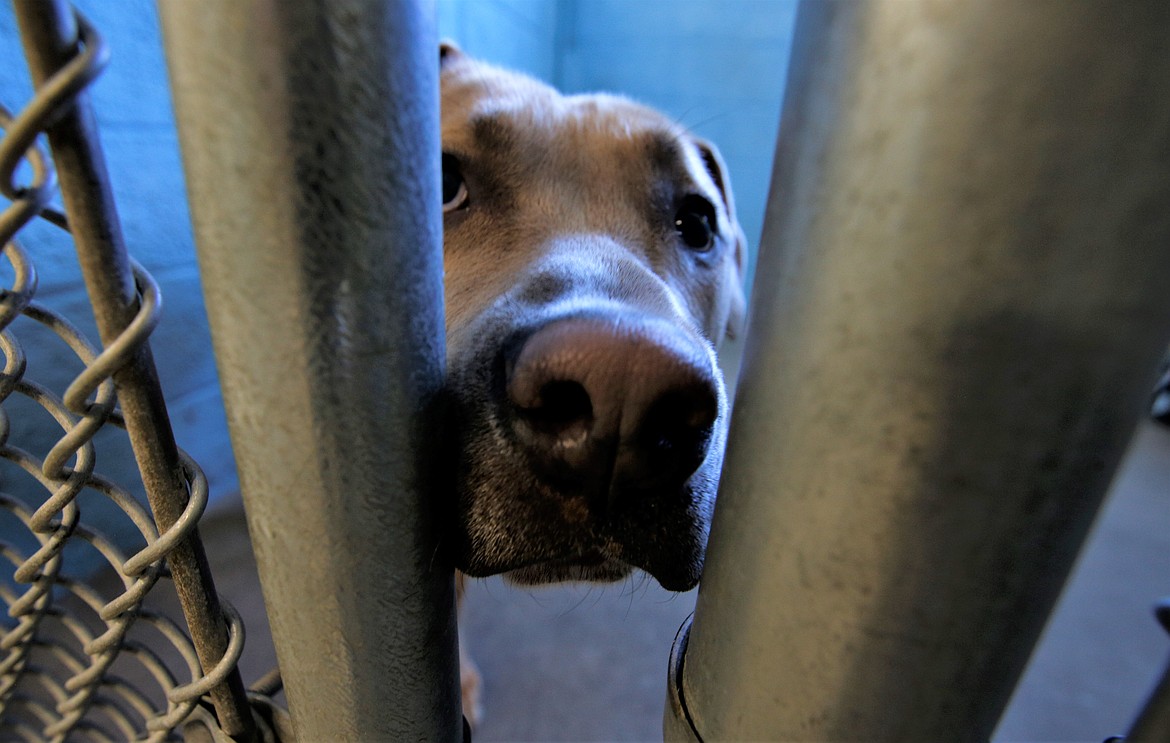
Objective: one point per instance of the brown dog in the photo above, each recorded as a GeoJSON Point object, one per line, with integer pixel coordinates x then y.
{"type": "Point", "coordinates": [593, 262]}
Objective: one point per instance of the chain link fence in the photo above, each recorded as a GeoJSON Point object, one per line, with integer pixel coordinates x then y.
{"type": "Point", "coordinates": [79, 659]}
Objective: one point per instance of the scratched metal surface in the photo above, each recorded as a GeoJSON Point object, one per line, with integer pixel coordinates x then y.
{"type": "Point", "coordinates": [309, 136]}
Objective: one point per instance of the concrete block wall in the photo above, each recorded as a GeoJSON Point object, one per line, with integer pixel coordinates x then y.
{"type": "Point", "coordinates": [716, 66]}
{"type": "Point", "coordinates": [517, 34]}
{"type": "Point", "coordinates": [132, 104]}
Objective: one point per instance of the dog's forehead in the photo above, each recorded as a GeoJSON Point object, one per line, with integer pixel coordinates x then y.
{"type": "Point", "coordinates": [487, 108]}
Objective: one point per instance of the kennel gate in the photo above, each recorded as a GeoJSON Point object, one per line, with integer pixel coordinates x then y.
{"type": "Point", "coordinates": [370, 329]}
{"type": "Point", "coordinates": [967, 247]}
{"type": "Point", "coordinates": [64, 636]}
{"type": "Point", "coordinates": [322, 69]}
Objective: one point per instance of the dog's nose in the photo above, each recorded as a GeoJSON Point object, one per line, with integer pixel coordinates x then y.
{"type": "Point", "coordinates": [609, 406]}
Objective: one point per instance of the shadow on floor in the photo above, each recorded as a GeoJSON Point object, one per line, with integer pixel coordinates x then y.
{"type": "Point", "coordinates": [581, 663]}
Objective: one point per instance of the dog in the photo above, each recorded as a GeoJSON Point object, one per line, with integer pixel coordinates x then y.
{"type": "Point", "coordinates": [593, 263]}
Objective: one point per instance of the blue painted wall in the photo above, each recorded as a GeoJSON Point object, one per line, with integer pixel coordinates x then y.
{"type": "Point", "coordinates": [132, 104]}
{"type": "Point", "coordinates": [715, 65]}
{"type": "Point", "coordinates": [518, 34]}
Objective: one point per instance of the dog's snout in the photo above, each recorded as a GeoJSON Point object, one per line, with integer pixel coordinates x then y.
{"type": "Point", "coordinates": [608, 406]}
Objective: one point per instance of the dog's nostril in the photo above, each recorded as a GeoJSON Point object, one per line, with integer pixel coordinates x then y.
{"type": "Point", "coordinates": [562, 409]}
{"type": "Point", "coordinates": [676, 430]}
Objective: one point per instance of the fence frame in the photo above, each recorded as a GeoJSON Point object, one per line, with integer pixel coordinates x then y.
{"type": "Point", "coordinates": [309, 133]}
{"type": "Point", "coordinates": [966, 268]}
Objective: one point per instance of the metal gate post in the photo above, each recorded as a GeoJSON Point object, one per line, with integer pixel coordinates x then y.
{"type": "Point", "coordinates": [309, 132]}
{"type": "Point", "coordinates": [967, 264]}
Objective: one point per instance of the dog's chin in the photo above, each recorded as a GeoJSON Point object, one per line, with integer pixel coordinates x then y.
{"type": "Point", "coordinates": [589, 570]}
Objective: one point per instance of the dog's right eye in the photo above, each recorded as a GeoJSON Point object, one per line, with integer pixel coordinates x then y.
{"type": "Point", "coordinates": [695, 223]}
{"type": "Point", "coordinates": [454, 188]}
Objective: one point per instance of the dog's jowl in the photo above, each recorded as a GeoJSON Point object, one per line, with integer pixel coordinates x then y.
{"type": "Point", "coordinates": [593, 263]}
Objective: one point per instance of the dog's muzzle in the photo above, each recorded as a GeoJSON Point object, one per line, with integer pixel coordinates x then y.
{"type": "Point", "coordinates": [591, 422]}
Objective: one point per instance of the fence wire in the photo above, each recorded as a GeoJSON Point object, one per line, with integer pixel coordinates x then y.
{"type": "Point", "coordinates": [79, 661]}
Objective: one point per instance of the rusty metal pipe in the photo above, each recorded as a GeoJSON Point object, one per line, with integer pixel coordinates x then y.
{"type": "Point", "coordinates": [962, 301]}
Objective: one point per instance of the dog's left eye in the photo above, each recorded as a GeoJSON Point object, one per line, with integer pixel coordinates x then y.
{"type": "Point", "coordinates": [695, 222]}
{"type": "Point", "coordinates": [454, 187]}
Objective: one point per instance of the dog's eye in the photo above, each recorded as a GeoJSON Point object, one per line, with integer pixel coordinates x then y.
{"type": "Point", "coordinates": [454, 189]}
{"type": "Point", "coordinates": [695, 222]}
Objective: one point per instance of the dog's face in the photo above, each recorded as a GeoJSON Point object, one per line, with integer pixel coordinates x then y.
{"type": "Point", "coordinates": [593, 262]}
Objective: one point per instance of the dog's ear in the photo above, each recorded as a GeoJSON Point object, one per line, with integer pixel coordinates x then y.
{"type": "Point", "coordinates": [717, 169]}
{"type": "Point", "coordinates": [449, 52]}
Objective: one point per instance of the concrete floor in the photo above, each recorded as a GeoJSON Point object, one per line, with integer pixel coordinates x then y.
{"type": "Point", "coordinates": [582, 663]}
{"type": "Point", "coordinates": [1103, 650]}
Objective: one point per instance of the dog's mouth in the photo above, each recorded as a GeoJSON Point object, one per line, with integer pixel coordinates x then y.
{"type": "Point", "coordinates": [666, 543]}
{"type": "Point", "coordinates": [593, 567]}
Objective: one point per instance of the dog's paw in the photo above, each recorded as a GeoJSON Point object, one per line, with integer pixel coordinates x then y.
{"type": "Point", "coordinates": [472, 685]}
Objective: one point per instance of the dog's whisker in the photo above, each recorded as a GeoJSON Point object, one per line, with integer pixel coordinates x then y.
{"type": "Point", "coordinates": [536, 598]}
{"type": "Point", "coordinates": [630, 595]}
{"type": "Point", "coordinates": [708, 120]}
{"type": "Point", "coordinates": [645, 585]}
{"type": "Point", "coordinates": [487, 584]}
{"type": "Point", "coordinates": [577, 605]}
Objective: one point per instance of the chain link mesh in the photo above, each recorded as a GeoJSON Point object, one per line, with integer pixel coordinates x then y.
{"type": "Point", "coordinates": [78, 661]}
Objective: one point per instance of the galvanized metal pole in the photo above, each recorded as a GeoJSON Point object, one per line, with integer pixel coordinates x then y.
{"type": "Point", "coordinates": [965, 262]}
{"type": "Point", "coordinates": [310, 139]}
